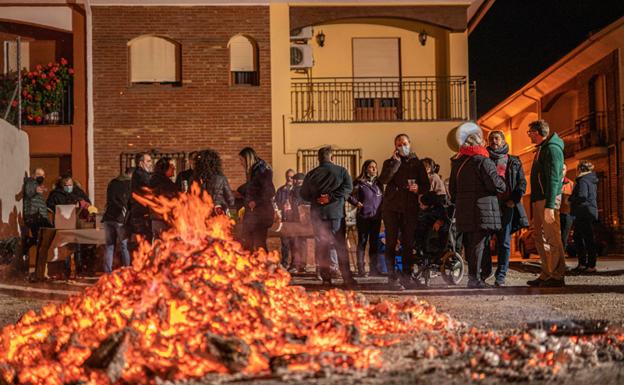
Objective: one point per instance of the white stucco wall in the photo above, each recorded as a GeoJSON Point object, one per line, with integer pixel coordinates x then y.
{"type": "Point", "coordinates": [14, 163]}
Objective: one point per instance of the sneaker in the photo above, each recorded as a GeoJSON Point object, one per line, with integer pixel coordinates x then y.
{"type": "Point", "coordinates": [535, 282]}
{"type": "Point", "coordinates": [395, 285]}
{"type": "Point", "coordinates": [590, 270]}
{"type": "Point", "coordinates": [580, 269]}
{"type": "Point", "coordinates": [499, 283]}
{"type": "Point", "coordinates": [553, 283]}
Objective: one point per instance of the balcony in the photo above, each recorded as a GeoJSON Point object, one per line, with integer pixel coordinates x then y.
{"type": "Point", "coordinates": [589, 132]}
{"type": "Point", "coordinates": [408, 99]}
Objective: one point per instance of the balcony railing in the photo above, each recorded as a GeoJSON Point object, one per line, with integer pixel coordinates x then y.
{"type": "Point", "coordinates": [589, 131]}
{"type": "Point", "coordinates": [379, 99]}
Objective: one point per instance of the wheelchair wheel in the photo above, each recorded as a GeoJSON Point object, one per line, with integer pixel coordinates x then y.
{"type": "Point", "coordinates": [452, 267]}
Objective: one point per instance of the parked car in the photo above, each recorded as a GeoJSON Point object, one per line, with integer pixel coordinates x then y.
{"type": "Point", "coordinates": [526, 241]}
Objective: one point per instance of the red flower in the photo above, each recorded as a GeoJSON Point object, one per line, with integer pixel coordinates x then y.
{"type": "Point", "coordinates": [43, 76]}
{"type": "Point", "coordinates": [30, 74]}
{"type": "Point", "coordinates": [54, 69]}
{"type": "Point", "coordinates": [33, 81]}
{"type": "Point", "coordinates": [38, 67]}
{"type": "Point", "coordinates": [63, 61]}
{"type": "Point", "coordinates": [48, 87]}
{"type": "Point", "coordinates": [50, 64]}
{"type": "Point", "coordinates": [24, 93]}
{"type": "Point", "coordinates": [38, 119]}
{"type": "Point", "coordinates": [14, 103]}
{"type": "Point", "coordinates": [71, 71]}
{"type": "Point", "coordinates": [29, 117]}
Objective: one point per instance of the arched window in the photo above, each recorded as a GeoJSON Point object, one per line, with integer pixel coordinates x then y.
{"type": "Point", "coordinates": [154, 59]}
{"type": "Point", "coordinates": [243, 61]}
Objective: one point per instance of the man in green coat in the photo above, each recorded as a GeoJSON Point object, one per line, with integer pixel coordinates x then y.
{"type": "Point", "coordinates": [546, 184]}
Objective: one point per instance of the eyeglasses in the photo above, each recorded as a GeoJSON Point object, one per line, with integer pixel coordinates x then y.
{"type": "Point", "coordinates": [529, 132]}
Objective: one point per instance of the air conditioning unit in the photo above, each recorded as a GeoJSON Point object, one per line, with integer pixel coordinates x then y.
{"type": "Point", "coordinates": [300, 56]}
{"type": "Point", "coordinates": [304, 33]}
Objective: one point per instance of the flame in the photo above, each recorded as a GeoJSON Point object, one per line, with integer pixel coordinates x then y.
{"type": "Point", "coordinates": [188, 292]}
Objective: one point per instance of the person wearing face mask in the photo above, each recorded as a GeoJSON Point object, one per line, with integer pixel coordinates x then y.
{"type": "Point", "coordinates": [367, 196]}
{"type": "Point", "coordinates": [405, 178]}
{"type": "Point", "coordinates": [35, 210]}
{"type": "Point", "coordinates": [67, 192]}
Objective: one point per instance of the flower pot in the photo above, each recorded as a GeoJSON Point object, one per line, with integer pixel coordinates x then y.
{"type": "Point", "coordinates": [52, 117]}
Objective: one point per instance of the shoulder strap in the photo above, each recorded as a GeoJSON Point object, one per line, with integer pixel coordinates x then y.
{"type": "Point", "coordinates": [460, 168]}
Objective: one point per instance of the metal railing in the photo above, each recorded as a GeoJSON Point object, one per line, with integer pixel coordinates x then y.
{"type": "Point", "coordinates": [348, 158]}
{"type": "Point", "coordinates": [180, 159]}
{"type": "Point", "coordinates": [351, 99]}
{"type": "Point", "coordinates": [589, 131]}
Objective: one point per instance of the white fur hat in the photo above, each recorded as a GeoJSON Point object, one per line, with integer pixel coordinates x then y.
{"type": "Point", "coordinates": [465, 130]}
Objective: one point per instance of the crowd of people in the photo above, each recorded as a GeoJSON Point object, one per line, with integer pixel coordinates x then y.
{"type": "Point", "coordinates": [406, 203]}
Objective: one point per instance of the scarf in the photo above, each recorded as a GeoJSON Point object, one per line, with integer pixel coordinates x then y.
{"type": "Point", "coordinates": [500, 158]}
{"type": "Point", "coordinates": [474, 150]}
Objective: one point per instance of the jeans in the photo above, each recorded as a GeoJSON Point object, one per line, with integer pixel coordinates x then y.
{"type": "Point", "coordinates": [475, 244]}
{"type": "Point", "coordinates": [403, 224]}
{"type": "Point", "coordinates": [115, 232]}
{"type": "Point", "coordinates": [330, 234]}
{"type": "Point", "coordinates": [584, 241]}
{"type": "Point", "coordinates": [368, 232]}
{"type": "Point", "coordinates": [503, 247]}
{"type": "Point", "coordinates": [566, 226]}
{"type": "Point", "coordinates": [285, 251]}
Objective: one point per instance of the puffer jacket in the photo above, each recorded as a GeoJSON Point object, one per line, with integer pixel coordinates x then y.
{"type": "Point", "coordinates": [584, 198]}
{"type": "Point", "coordinates": [395, 174]}
{"type": "Point", "coordinates": [474, 185]}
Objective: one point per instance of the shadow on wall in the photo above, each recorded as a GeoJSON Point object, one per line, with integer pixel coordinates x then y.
{"type": "Point", "coordinates": [10, 228]}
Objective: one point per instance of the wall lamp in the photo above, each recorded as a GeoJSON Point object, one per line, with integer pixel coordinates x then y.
{"type": "Point", "coordinates": [422, 37]}
{"type": "Point", "coordinates": [320, 38]}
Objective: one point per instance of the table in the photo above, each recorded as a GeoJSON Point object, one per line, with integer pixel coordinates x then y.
{"type": "Point", "coordinates": [51, 238]}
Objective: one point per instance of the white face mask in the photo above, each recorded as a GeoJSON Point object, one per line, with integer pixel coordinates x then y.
{"type": "Point", "coordinates": [405, 150]}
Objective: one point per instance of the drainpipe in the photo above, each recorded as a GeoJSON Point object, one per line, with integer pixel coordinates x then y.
{"type": "Point", "coordinates": [90, 156]}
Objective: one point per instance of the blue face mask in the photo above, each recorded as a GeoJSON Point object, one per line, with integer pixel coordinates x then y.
{"type": "Point", "coordinates": [68, 189]}
{"type": "Point", "coordinates": [405, 150]}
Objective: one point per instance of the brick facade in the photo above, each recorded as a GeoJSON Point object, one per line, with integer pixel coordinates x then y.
{"type": "Point", "coordinates": [204, 111]}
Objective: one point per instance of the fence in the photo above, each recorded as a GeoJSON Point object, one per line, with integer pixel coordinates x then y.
{"type": "Point", "coordinates": [379, 99]}
{"type": "Point", "coordinates": [180, 159]}
{"type": "Point", "coordinates": [348, 158]}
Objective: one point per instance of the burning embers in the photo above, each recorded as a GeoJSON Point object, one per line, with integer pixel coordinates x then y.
{"type": "Point", "coordinates": [195, 303]}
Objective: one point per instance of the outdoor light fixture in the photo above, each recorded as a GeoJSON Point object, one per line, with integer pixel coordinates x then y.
{"type": "Point", "coordinates": [422, 37]}
{"type": "Point", "coordinates": [320, 39]}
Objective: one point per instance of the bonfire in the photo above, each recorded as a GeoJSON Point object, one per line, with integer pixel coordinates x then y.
{"type": "Point", "coordinates": [195, 302]}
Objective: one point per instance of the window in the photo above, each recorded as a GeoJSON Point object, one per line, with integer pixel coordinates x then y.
{"type": "Point", "coordinates": [154, 59]}
{"type": "Point", "coordinates": [10, 56]}
{"type": "Point", "coordinates": [243, 61]}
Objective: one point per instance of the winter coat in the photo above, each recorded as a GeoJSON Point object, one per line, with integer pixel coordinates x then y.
{"type": "Point", "coordinates": [186, 175]}
{"type": "Point", "coordinates": [58, 196]}
{"type": "Point", "coordinates": [140, 180]}
{"type": "Point", "coordinates": [260, 189]}
{"type": "Point", "coordinates": [34, 205]}
{"type": "Point", "coordinates": [474, 185]}
{"type": "Point", "coordinates": [584, 198]}
{"type": "Point", "coordinates": [282, 196]}
{"type": "Point", "coordinates": [516, 187]}
{"type": "Point", "coordinates": [370, 195]}
{"type": "Point", "coordinates": [394, 174]}
{"type": "Point", "coordinates": [117, 196]}
{"type": "Point", "coordinates": [332, 179]}
{"type": "Point", "coordinates": [219, 189]}
{"type": "Point", "coordinates": [547, 171]}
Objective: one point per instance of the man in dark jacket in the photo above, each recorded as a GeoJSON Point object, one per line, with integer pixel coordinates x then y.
{"type": "Point", "coordinates": [139, 216]}
{"type": "Point", "coordinates": [474, 185]}
{"type": "Point", "coordinates": [405, 178]}
{"type": "Point", "coordinates": [546, 183]}
{"type": "Point", "coordinates": [584, 206]}
{"type": "Point", "coordinates": [282, 201]}
{"type": "Point", "coordinates": [185, 178]}
{"type": "Point", "coordinates": [114, 219]}
{"type": "Point", "coordinates": [513, 215]}
{"type": "Point", "coordinates": [35, 210]}
{"type": "Point", "coordinates": [327, 187]}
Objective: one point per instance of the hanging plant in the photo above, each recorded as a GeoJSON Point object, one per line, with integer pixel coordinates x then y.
{"type": "Point", "coordinates": [43, 90]}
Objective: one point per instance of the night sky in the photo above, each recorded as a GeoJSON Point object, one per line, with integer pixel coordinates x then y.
{"type": "Point", "coordinates": [518, 39]}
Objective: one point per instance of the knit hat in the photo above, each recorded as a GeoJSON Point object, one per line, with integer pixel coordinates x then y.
{"type": "Point", "coordinates": [465, 130]}
{"type": "Point", "coordinates": [299, 176]}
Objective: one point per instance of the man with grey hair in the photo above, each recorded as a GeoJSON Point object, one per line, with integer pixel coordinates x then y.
{"type": "Point", "coordinates": [546, 184]}
{"type": "Point", "coordinates": [327, 187]}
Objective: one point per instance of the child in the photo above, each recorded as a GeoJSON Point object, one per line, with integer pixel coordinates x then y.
{"type": "Point", "coordinates": [432, 226]}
